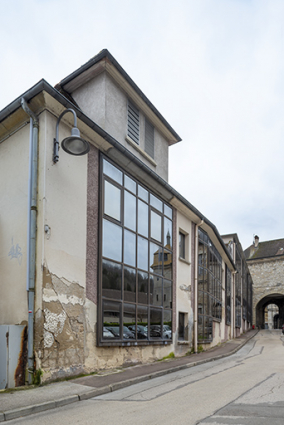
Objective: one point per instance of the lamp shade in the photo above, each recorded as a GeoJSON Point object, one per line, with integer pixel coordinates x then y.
{"type": "Point", "coordinates": [74, 144]}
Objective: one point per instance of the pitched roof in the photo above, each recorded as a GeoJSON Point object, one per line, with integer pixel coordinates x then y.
{"type": "Point", "coordinates": [94, 66]}
{"type": "Point", "coordinates": [274, 248]}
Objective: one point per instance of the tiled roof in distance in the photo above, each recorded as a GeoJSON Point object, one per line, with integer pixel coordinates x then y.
{"type": "Point", "coordinates": [266, 249]}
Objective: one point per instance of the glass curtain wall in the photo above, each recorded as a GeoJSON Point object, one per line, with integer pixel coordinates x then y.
{"type": "Point", "coordinates": [136, 273]}
{"type": "Point", "coordinates": [209, 286]}
{"type": "Point", "coordinates": [238, 289]}
{"type": "Point", "coordinates": [228, 295]}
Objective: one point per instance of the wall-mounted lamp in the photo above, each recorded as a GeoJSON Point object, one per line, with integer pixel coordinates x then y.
{"type": "Point", "coordinates": [73, 144]}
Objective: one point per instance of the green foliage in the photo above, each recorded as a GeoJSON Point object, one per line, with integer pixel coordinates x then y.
{"type": "Point", "coordinates": [37, 376]}
{"type": "Point", "coordinates": [200, 349]}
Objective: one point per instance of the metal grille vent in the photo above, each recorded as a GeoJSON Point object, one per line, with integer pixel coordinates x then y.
{"type": "Point", "coordinates": [133, 122]}
{"type": "Point", "coordinates": [149, 138]}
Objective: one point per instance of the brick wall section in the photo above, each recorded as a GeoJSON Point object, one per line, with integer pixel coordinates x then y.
{"type": "Point", "coordinates": [92, 224]}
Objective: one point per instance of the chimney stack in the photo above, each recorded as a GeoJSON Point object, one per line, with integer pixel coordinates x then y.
{"type": "Point", "coordinates": [256, 241]}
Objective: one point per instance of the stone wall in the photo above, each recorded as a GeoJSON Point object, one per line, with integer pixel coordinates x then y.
{"type": "Point", "coordinates": [268, 279]}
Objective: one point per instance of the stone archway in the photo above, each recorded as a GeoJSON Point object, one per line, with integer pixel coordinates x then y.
{"type": "Point", "coordinates": [277, 299]}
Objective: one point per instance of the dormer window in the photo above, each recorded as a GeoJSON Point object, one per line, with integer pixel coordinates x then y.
{"type": "Point", "coordinates": [133, 122]}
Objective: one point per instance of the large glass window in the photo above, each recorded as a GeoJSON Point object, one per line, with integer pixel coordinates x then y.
{"type": "Point", "coordinates": [228, 295]}
{"type": "Point", "coordinates": [136, 262]}
{"type": "Point", "coordinates": [209, 286]}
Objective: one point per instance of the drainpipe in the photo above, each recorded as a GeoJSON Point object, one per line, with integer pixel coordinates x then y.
{"type": "Point", "coordinates": [196, 285]}
{"type": "Point", "coordinates": [31, 243]}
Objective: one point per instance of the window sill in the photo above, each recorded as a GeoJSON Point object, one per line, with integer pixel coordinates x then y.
{"type": "Point", "coordinates": [143, 153]}
{"type": "Point", "coordinates": [183, 342]}
{"type": "Point", "coordinates": [183, 260]}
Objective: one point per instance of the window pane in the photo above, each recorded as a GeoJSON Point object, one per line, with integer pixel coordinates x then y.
{"type": "Point", "coordinates": [142, 256]}
{"type": "Point", "coordinates": [129, 284]}
{"type": "Point", "coordinates": [168, 264]}
{"type": "Point", "coordinates": [142, 288]}
{"type": "Point", "coordinates": [111, 282]}
{"type": "Point", "coordinates": [112, 171]}
{"type": "Point", "coordinates": [156, 226]}
{"type": "Point", "coordinates": [167, 294]}
{"type": "Point", "coordinates": [111, 317]}
{"type": "Point", "coordinates": [156, 258]}
{"type": "Point", "coordinates": [167, 324]}
{"type": "Point", "coordinates": [156, 290]}
{"type": "Point", "coordinates": [181, 245]}
{"type": "Point", "coordinates": [143, 218]}
{"type": "Point", "coordinates": [130, 184]}
{"type": "Point", "coordinates": [168, 233]}
{"type": "Point", "coordinates": [156, 203]}
{"type": "Point", "coordinates": [129, 248]}
{"type": "Point", "coordinates": [155, 323]}
{"type": "Point", "coordinates": [112, 201]}
{"type": "Point", "coordinates": [129, 211]}
{"type": "Point", "coordinates": [168, 211]}
{"type": "Point", "coordinates": [129, 320]}
{"type": "Point", "coordinates": [142, 322]}
{"type": "Point", "coordinates": [112, 241]}
{"type": "Point", "coordinates": [143, 193]}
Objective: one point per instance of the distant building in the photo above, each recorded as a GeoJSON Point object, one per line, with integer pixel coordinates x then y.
{"type": "Point", "coordinates": [266, 264]}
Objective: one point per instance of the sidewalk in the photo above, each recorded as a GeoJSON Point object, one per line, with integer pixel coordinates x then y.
{"type": "Point", "coordinates": [33, 400]}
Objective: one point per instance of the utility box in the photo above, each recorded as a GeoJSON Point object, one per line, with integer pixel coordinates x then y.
{"type": "Point", "coordinates": [13, 355]}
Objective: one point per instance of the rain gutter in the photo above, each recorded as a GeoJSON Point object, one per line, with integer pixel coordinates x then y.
{"type": "Point", "coordinates": [31, 236]}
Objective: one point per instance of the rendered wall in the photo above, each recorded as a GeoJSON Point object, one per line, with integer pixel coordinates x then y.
{"type": "Point", "coordinates": [14, 155]}
{"type": "Point", "coordinates": [184, 284]}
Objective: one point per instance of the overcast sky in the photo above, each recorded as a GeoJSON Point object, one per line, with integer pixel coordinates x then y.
{"type": "Point", "coordinates": [213, 68]}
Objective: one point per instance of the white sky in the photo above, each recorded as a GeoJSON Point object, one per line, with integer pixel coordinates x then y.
{"type": "Point", "coordinates": [213, 68]}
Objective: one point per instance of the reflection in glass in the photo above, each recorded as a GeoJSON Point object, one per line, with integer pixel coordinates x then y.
{"type": "Point", "coordinates": [112, 241]}
{"type": "Point", "coordinates": [111, 279]}
{"type": "Point", "coordinates": [167, 293]}
{"type": "Point", "coordinates": [142, 193]}
{"type": "Point", "coordinates": [142, 321]}
{"type": "Point", "coordinates": [112, 204]}
{"type": "Point", "coordinates": [155, 323]}
{"type": "Point", "coordinates": [156, 203]}
{"type": "Point", "coordinates": [112, 171]}
{"type": "Point", "coordinates": [167, 324]}
{"type": "Point", "coordinates": [156, 258]}
{"type": "Point", "coordinates": [129, 248]}
{"type": "Point", "coordinates": [156, 290]}
{"type": "Point", "coordinates": [130, 184]}
{"type": "Point", "coordinates": [142, 255]}
{"type": "Point", "coordinates": [129, 319]}
{"type": "Point", "coordinates": [168, 264]}
{"type": "Point", "coordinates": [129, 211]}
{"type": "Point", "coordinates": [168, 211]}
{"type": "Point", "coordinates": [143, 218]}
{"type": "Point", "coordinates": [111, 317]}
{"type": "Point", "coordinates": [168, 234]}
{"type": "Point", "coordinates": [156, 226]}
{"type": "Point", "coordinates": [129, 284]}
{"type": "Point", "coordinates": [142, 288]}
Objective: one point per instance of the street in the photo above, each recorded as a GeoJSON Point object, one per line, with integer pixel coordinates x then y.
{"type": "Point", "coordinates": [246, 388]}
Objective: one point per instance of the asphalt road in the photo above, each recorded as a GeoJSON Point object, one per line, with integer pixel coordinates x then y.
{"type": "Point", "coordinates": [246, 388]}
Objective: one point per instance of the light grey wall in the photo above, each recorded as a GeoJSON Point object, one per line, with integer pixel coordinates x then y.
{"type": "Point", "coordinates": [106, 104]}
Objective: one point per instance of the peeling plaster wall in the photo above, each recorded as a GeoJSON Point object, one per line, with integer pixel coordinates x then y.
{"type": "Point", "coordinates": [61, 257]}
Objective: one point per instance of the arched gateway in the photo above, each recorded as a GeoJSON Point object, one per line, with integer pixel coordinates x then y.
{"type": "Point", "coordinates": [266, 264]}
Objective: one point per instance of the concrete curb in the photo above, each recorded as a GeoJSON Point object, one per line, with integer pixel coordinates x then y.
{"type": "Point", "coordinates": [36, 408]}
